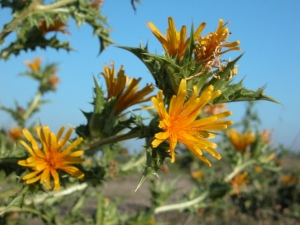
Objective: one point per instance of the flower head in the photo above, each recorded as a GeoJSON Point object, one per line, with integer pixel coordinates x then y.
{"type": "Point", "coordinates": [35, 65]}
{"type": "Point", "coordinates": [257, 169]}
{"type": "Point", "coordinates": [124, 88]}
{"type": "Point", "coordinates": [58, 26]}
{"type": "Point", "coordinates": [179, 123]}
{"type": "Point", "coordinates": [289, 179]}
{"type": "Point", "coordinates": [209, 47]}
{"type": "Point", "coordinates": [266, 136]}
{"type": "Point", "coordinates": [197, 174]}
{"type": "Point", "coordinates": [97, 4]}
{"type": "Point", "coordinates": [240, 141]}
{"type": "Point", "coordinates": [215, 108]}
{"type": "Point", "coordinates": [238, 182]}
{"type": "Point", "coordinates": [51, 156]}
{"type": "Point", "coordinates": [15, 133]}
{"type": "Point", "coordinates": [174, 42]}
{"type": "Point", "coordinates": [53, 81]}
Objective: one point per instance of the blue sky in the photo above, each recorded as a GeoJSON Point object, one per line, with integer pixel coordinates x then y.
{"type": "Point", "coordinates": [268, 30]}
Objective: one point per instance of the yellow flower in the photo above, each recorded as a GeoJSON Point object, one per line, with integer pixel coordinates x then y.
{"type": "Point", "coordinates": [124, 88]}
{"type": "Point", "coordinates": [35, 65]}
{"type": "Point", "coordinates": [208, 48]}
{"type": "Point", "coordinates": [238, 182]}
{"type": "Point", "coordinates": [257, 169]}
{"type": "Point", "coordinates": [175, 43]}
{"type": "Point", "coordinates": [15, 133]}
{"type": "Point", "coordinates": [179, 122]}
{"type": "Point", "coordinates": [197, 174]}
{"type": "Point", "coordinates": [289, 179]}
{"type": "Point", "coordinates": [51, 156]}
{"type": "Point", "coordinates": [240, 141]}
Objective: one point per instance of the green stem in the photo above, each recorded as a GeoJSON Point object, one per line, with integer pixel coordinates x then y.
{"type": "Point", "coordinates": [131, 164]}
{"type": "Point", "coordinates": [41, 198]}
{"type": "Point", "coordinates": [238, 169]}
{"type": "Point", "coordinates": [10, 160]}
{"type": "Point", "coordinates": [18, 20]}
{"type": "Point", "coordinates": [53, 6]}
{"type": "Point", "coordinates": [33, 106]}
{"type": "Point", "coordinates": [96, 143]}
{"type": "Point", "coordinates": [27, 209]}
{"type": "Point", "coordinates": [182, 205]}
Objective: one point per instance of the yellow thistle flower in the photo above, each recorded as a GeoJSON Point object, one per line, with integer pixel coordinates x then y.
{"type": "Point", "coordinates": [289, 179]}
{"type": "Point", "coordinates": [257, 169]}
{"type": "Point", "coordinates": [15, 133]}
{"type": "Point", "coordinates": [197, 174]}
{"type": "Point", "coordinates": [175, 43]}
{"type": "Point", "coordinates": [57, 26]}
{"type": "Point", "coordinates": [238, 182]}
{"type": "Point", "coordinates": [124, 88]}
{"type": "Point", "coordinates": [208, 48]}
{"type": "Point", "coordinates": [51, 156]}
{"type": "Point", "coordinates": [35, 65]}
{"type": "Point", "coordinates": [240, 141]}
{"type": "Point", "coordinates": [179, 122]}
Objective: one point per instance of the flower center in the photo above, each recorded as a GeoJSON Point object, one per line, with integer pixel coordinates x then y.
{"type": "Point", "coordinates": [53, 159]}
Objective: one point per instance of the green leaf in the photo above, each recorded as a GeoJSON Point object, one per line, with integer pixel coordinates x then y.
{"type": "Point", "coordinates": [82, 12]}
{"type": "Point", "coordinates": [95, 123]}
{"type": "Point", "coordinates": [16, 201]}
{"type": "Point", "coordinates": [99, 100]}
{"type": "Point", "coordinates": [234, 92]}
{"type": "Point", "coordinates": [148, 169]}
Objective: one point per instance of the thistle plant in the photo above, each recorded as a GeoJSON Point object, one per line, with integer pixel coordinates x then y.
{"type": "Point", "coordinates": [194, 85]}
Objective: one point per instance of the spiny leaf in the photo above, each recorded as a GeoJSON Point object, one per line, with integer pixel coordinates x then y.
{"type": "Point", "coordinates": [237, 92]}
{"type": "Point", "coordinates": [148, 169]}
{"type": "Point", "coordinates": [99, 100]}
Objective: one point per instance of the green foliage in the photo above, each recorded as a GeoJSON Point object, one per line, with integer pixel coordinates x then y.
{"type": "Point", "coordinates": [28, 19]}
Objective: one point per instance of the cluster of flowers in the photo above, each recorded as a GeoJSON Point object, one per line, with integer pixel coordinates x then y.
{"type": "Point", "coordinates": [179, 118]}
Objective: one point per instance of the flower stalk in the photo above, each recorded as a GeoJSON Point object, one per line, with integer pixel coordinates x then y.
{"type": "Point", "coordinates": [32, 107]}
{"type": "Point", "coordinates": [97, 142]}
{"type": "Point", "coordinates": [238, 169]}
{"type": "Point", "coordinates": [182, 205]}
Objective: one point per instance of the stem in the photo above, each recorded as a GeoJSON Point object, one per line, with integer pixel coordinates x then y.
{"type": "Point", "coordinates": [238, 169]}
{"type": "Point", "coordinates": [33, 105]}
{"type": "Point", "coordinates": [55, 5]}
{"type": "Point", "coordinates": [27, 209]}
{"type": "Point", "coordinates": [96, 143]}
{"type": "Point", "coordinates": [131, 164]}
{"type": "Point", "coordinates": [10, 160]}
{"type": "Point", "coordinates": [10, 192]}
{"type": "Point", "coordinates": [182, 205]}
{"type": "Point", "coordinates": [18, 20]}
{"type": "Point", "coordinates": [57, 194]}
{"type": "Point", "coordinates": [40, 199]}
